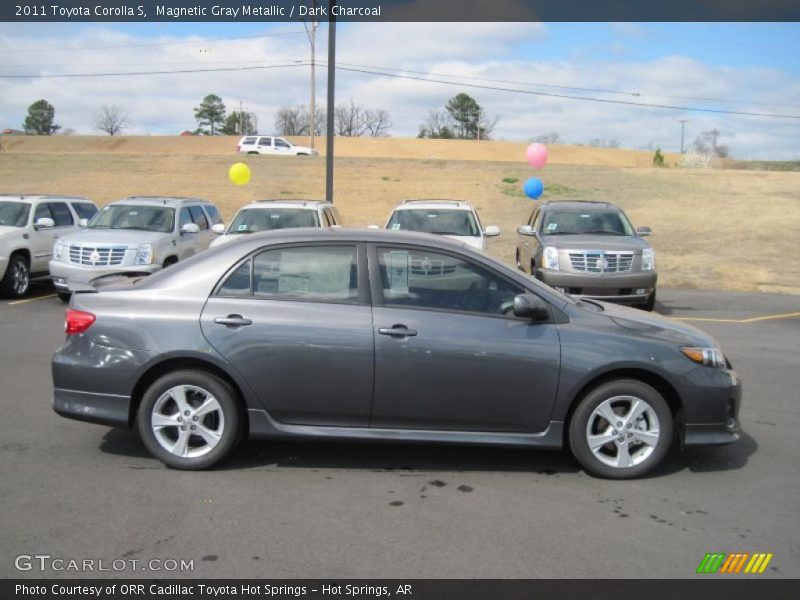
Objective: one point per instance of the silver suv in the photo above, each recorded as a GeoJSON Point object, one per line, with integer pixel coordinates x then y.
{"type": "Point", "coordinates": [589, 249]}
{"type": "Point", "coordinates": [29, 224]}
{"type": "Point", "coordinates": [140, 234]}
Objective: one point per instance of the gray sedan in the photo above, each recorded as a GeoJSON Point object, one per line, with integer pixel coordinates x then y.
{"type": "Point", "coordinates": [384, 336]}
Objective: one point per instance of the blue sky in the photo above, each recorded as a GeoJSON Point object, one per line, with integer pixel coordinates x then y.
{"type": "Point", "coordinates": [738, 66]}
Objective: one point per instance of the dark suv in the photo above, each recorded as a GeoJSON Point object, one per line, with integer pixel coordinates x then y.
{"type": "Point", "coordinates": [589, 249]}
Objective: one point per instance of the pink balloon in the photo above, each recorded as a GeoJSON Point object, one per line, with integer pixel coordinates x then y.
{"type": "Point", "coordinates": [536, 155]}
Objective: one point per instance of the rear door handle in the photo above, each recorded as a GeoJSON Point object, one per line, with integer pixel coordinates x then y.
{"type": "Point", "coordinates": [398, 331]}
{"type": "Point", "coordinates": [233, 321]}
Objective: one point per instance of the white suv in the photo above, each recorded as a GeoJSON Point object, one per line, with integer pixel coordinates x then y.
{"type": "Point", "coordinates": [267, 144]}
{"type": "Point", "coordinates": [28, 227]}
{"type": "Point", "coordinates": [451, 218]}
{"type": "Point", "coordinates": [264, 215]}
{"type": "Point", "coordinates": [140, 235]}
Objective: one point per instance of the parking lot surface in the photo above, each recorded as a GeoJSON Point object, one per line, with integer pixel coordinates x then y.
{"type": "Point", "coordinates": [79, 491]}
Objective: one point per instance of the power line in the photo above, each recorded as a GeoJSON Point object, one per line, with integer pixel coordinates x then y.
{"type": "Point", "coordinates": [148, 44]}
{"type": "Point", "coordinates": [570, 97]}
{"type": "Point", "coordinates": [214, 70]}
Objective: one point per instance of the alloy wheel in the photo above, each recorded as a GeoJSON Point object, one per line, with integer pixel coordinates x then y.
{"type": "Point", "coordinates": [187, 421]}
{"type": "Point", "coordinates": [623, 431]}
{"type": "Point", "coordinates": [20, 278]}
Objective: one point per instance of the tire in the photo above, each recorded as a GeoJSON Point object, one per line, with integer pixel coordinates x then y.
{"type": "Point", "coordinates": [644, 443]}
{"type": "Point", "coordinates": [17, 279]}
{"type": "Point", "coordinates": [64, 296]}
{"type": "Point", "coordinates": [650, 304]}
{"type": "Point", "coordinates": [252, 152]}
{"type": "Point", "coordinates": [169, 261]}
{"type": "Point", "coordinates": [217, 430]}
{"type": "Point", "coordinates": [533, 269]}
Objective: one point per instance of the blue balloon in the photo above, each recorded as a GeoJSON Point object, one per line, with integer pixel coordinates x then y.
{"type": "Point", "coordinates": [533, 188]}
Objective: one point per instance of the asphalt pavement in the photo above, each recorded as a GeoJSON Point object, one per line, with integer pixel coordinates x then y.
{"type": "Point", "coordinates": [79, 491]}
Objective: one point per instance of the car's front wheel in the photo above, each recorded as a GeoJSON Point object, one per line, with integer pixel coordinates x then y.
{"type": "Point", "coordinates": [621, 429]}
{"type": "Point", "coordinates": [189, 419]}
{"type": "Point", "coordinates": [17, 280]}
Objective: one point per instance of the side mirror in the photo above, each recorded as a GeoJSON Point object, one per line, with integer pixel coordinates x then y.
{"type": "Point", "coordinates": [530, 306]}
{"type": "Point", "coordinates": [219, 228]}
{"type": "Point", "coordinates": [644, 231]}
{"type": "Point", "coordinates": [190, 228]}
{"type": "Point", "coordinates": [373, 227]}
{"type": "Point", "coordinates": [526, 230]}
{"type": "Point", "coordinates": [491, 231]}
{"type": "Point", "coordinates": [44, 223]}
{"type": "Point", "coordinates": [83, 222]}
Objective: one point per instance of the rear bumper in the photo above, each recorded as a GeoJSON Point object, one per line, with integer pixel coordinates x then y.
{"type": "Point", "coordinates": [611, 287]}
{"type": "Point", "coordinates": [63, 273]}
{"type": "Point", "coordinates": [104, 409]}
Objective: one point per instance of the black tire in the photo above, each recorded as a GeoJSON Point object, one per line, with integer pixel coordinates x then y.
{"type": "Point", "coordinates": [650, 304]}
{"type": "Point", "coordinates": [64, 297]}
{"type": "Point", "coordinates": [17, 279]}
{"type": "Point", "coordinates": [650, 455]}
{"type": "Point", "coordinates": [231, 422]}
{"type": "Point", "coordinates": [252, 152]}
{"type": "Point", "coordinates": [169, 261]}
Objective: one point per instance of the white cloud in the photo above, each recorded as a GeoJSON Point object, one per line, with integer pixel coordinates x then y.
{"type": "Point", "coordinates": [163, 104]}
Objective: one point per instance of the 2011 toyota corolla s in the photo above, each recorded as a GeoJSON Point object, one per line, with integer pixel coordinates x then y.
{"type": "Point", "coordinates": [382, 335]}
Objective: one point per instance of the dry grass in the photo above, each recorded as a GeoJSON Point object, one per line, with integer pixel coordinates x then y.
{"type": "Point", "coordinates": [712, 229]}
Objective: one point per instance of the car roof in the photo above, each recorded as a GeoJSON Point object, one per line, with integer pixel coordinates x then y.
{"type": "Point", "coordinates": [280, 203]}
{"type": "Point", "coordinates": [34, 197]}
{"type": "Point", "coordinates": [434, 203]}
{"type": "Point", "coordinates": [578, 204]}
{"type": "Point", "coordinates": [173, 201]}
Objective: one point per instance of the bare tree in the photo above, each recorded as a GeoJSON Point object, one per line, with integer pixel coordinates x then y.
{"type": "Point", "coordinates": [437, 125]}
{"type": "Point", "coordinates": [376, 122]}
{"type": "Point", "coordinates": [548, 138]}
{"type": "Point", "coordinates": [294, 120]}
{"type": "Point", "coordinates": [708, 143]}
{"type": "Point", "coordinates": [112, 119]}
{"type": "Point", "coordinates": [349, 119]}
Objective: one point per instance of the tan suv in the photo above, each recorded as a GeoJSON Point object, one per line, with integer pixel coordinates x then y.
{"type": "Point", "coordinates": [589, 249]}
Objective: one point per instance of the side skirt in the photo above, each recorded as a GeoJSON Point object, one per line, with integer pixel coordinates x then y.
{"type": "Point", "coordinates": [262, 426]}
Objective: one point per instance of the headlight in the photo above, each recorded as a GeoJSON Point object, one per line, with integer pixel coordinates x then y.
{"type": "Point", "coordinates": [58, 248]}
{"type": "Point", "coordinates": [648, 259]}
{"type": "Point", "coordinates": [709, 357]}
{"type": "Point", "coordinates": [550, 257]}
{"type": "Point", "coordinates": [144, 254]}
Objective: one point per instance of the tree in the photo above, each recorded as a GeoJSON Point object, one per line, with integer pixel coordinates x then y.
{"type": "Point", "coordinates": [658, 158]}
{"type": "Point", "coordinates": [111, 119]}
{"type": "Point", "coordinates": [349, 120]}
{"type": "Point", "coordinates": [40, 119]}
{"type": "Point", "coordinates": [210, 114]}
{"type": "Point", "coordinates": [377, 122]}
{"type": "Point", "coordinates": [548, 138]}
{"type": "Point", "coordinates": [239, 123]}
{"type": "Point", "coordinates": [294, 120]}
{"type": "Point", "coordinates": [708, 143]}
{"type": "Point", "coordinates": [463, 119]}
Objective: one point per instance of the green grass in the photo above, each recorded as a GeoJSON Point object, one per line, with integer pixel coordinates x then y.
{"type": "Point", "coordinates": [509, 180]}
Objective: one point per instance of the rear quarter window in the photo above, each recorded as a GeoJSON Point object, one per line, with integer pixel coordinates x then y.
{"type": "Point", "coordinates": [84, 210]}
{"type": "Point", "coordinates": [249, 141]}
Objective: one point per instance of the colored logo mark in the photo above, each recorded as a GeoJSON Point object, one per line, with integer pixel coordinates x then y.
{"type": "Point", "coordinates": [734, 563]}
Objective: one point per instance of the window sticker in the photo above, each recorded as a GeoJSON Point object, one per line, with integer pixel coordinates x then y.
{"type": "Point", "coordinates": [243, 227]}
{"type": "Point", "coordinates": [433, 215]}
{"type": "Point", "coordinates": [292, 284]}
{"type": "Point", "coordinates": [397, 267]}
{"type": "Point", "coordinates": [275, 216]}
{"type": "Point", "coordinates": [586, 216]}
{"type": "Point", "coordinates": [552, 226]}
{"type": "Point", "coordinates": [395, 226]}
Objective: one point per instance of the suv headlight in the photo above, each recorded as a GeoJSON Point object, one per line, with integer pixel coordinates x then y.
{"type": "Point", "coordinates": [709, 357]}
{"type": "Point", "coordinates": [58, 249]}
{"type": "Point", "coordinates": [144, 254]}
{"type": "Point", "coordinates": [550, 257]}
{"type": "Point", "coordinates": [648, 259]}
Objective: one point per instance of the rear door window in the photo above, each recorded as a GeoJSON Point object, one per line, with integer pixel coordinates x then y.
{"type": "Point", "coordinates": [265, 141]}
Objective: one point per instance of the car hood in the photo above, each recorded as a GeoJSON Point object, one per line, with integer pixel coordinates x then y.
{"type": "Point", "coordinates": [653, 324]}
{"type": "Point", "coordinates": [470, 240]}
{"type": "Point", "coordinates": [128, 237]}
{"type": "Point", "coordinates": [595, 242]}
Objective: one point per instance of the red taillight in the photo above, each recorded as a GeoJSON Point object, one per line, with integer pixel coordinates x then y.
{"type": "Point", "coordinates": [78, 321]}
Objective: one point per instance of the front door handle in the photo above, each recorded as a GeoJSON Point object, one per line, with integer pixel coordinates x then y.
{"type": "Point", "coordinates": [398, 331]}
{"type": "Point", "coordinates": [233, 321]}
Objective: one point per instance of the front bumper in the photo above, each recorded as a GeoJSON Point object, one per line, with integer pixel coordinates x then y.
{"type": "Point", "coordinates": [3, 266]}
{"type": "Point", "coordinates": [711, 412]}
{"type": "Point", "coordinates": [608, 287]}
{"type": "Point", "coordinates": [62, 273]}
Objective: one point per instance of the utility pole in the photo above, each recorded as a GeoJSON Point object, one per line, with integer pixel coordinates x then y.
{"type": "Point", "coordinates": [312, 39]}
{"type": "Point", "coordinates": [683, 125]}
{"type": "Point", "coordinates": [331, 102]}
{"type": "Point", "coordinates": [241, 119]}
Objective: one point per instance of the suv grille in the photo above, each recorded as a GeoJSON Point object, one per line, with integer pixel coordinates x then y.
{"type": "Point", "coordinates": [430, 267]}
{"type": "Point", "coordinates": [597, 261]}
{"type": "Point", "coordinates": [92, 255]}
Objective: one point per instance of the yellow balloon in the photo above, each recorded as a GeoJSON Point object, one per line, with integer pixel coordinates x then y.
{"type": "Point", "coordinates": [239, 173]}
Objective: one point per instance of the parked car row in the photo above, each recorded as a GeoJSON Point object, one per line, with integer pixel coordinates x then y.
{"type": "Point", "coordinates": [583, 248]}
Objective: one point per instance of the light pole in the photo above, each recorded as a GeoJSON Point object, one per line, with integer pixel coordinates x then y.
{"type": "Point", "coordinates": [331, 101]}
{"type": "Point", "coordinates": [312, 39]}
{"type": "Point", "coordinates": [683, 125]}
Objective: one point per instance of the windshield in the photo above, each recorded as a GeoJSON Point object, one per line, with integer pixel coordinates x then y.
{"type": "Point", "coordinates": [435, 220]}
{"type": "Point", "coordinates": [131, 216]}
{"type": "Point", "coordinates": [264, 219]}
{"type": "Point", "coordinates": [14, 214]}
{"type": "Point", "coordinates": [586, 222]}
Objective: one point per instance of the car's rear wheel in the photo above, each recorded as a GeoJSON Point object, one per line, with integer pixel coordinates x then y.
{"type": "Point", "coordinates": [17, 280]}
{"type": "Point", "coordinates": [189, 419]}
{"type": "Point", "coordinates": [621, 429]}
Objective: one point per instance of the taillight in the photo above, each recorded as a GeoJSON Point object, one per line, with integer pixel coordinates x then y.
{"type": "Point", "coordinates": [78, 321]}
